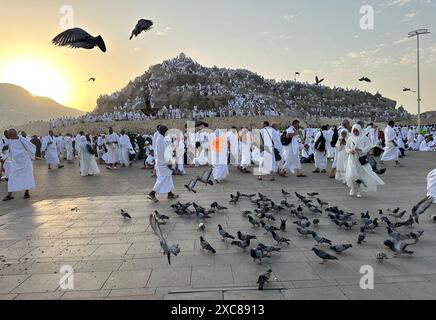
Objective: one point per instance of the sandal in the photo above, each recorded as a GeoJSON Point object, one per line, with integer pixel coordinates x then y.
{"type": "Point", "coordinates": [173, 196]}
{"type": "Point", "coordinates": [153, 199]}
{"type": "Point", "coordinates": [7, 198]}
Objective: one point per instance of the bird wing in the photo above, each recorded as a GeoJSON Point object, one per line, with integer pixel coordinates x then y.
{"type": "Point", "coordinates": [155, 226]}
{"type": "Point", "coordinates": [205, 176]}
{"type": "Point", "coordinates": [71, 37]}
{"type": "Point", "coordinates": [144, 24]}
{"type": "Point", "coordinates": [422, 205]}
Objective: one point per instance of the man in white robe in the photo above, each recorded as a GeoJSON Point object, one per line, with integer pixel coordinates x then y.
{"type": "Point", "coordinates": [431, 185]}
{"type": "Point", "coordinates": [391, 151]}
{"type": "Point", "coordinates": [219, 150]}
{"type": "Point", "coordinates": [233, 141]}
{"type": "Point", "coordinates": [60, 144]}
{"type": "Point", "coordinates": [426, 145]}
{"type": "Point", "coordinates": [112, 145]}
{"type": "Point", "coordinates": [21, 177]}
{"type": "Point", "coordinates": [49, 147]}
{"type": "Point", "coordinates": [267, 161]}
{"type": "Point", "coordinates": [125, 149]}
{"type": "Point", "coordinates": [69, 148]}
{"type": "Point", "coordinates": [164, 181]}
{"type": "Point", "coordinates": [293, 161]}
{"type": "Point", "coordinates": [245, 139]}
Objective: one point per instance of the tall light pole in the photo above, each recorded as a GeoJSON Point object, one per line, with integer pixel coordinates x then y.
{"type": "Point", "coordinates": [416, 34]}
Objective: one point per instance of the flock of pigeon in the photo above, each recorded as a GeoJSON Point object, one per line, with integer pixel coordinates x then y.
{"type": "Point", "coordinates": [272, 217]}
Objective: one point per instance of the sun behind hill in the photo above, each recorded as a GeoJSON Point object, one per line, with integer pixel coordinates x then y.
{"type": "Point", "coordinates": [37, 76]}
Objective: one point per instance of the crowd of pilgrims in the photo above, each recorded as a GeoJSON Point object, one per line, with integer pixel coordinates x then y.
{"type": "Point", "coordinates": [351, 149]}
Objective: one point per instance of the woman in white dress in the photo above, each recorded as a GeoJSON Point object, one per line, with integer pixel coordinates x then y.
{"type": "Point", "coordinates": [341, 156]}
{"type": "Point", "coordinates": [359, 174]}
{"type": "Point", "coordinates": [88, 165]}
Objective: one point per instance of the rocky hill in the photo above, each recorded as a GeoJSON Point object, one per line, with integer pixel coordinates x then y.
{"type": "Point", "coordinates": [18, 106]}
{"type": "Point", "coordinates": [182, 82]}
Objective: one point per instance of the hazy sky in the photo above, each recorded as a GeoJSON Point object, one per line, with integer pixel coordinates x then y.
{"type": "Point", "coordinates": [274, 38]}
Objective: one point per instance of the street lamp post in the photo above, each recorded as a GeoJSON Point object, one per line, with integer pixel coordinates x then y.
{"type": "Point", "coordinates": [416, 34]}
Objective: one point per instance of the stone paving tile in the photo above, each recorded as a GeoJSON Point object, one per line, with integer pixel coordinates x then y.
{"type": "Point", "coordinates": [97, 265]}
{"type": "Point", "coordinates": [167, 277]}
{"type": "Point", "coordinates": [195, 296]}
{"type": "Point", "coordinates": [380, 292]}
{"type": "Point", "coordinates": [132, 292]}
{"type": "Point", "coordinates": [253, 295]}
{"type": "Point", "coordinates": [39, 296]}
{"type": "Point", "coordinates": [8, 283]}
{"type": "Point", "coordinates": [39, 283]}
{"type": "Point", "coordinates": [419, 290]}
{"type": "Point", "coordinates": [127, 279]}
{"type": "Point", "coordinates": [320, 293]}
{"type": "Point", "coordinates": [80, 295]}
{"type": "Point", "coordinates": [211, 277]}
{"type": "Point", "coordinates": [111, 250]}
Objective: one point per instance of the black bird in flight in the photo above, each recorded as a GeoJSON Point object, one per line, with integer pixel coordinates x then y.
{"type": "Point", "coordinates": [365, 79]}
{"type": "Point", "coordinates": [92, 79]}
{"type": "Point", "coordinates": [318, 80]}
{"type": "Point", "coordinates": [408, 89]}
{"type": "Point", "coordinates": [79, 38]}
{"type": "Point", "coordinates": [143, 25]}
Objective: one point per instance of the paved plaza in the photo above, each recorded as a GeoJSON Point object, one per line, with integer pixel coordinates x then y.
{"type": "Point", "coordinates": [113, 258]}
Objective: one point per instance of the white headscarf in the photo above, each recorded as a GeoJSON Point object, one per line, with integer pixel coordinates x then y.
{"type": "Point", "coordinates": [356, 139]}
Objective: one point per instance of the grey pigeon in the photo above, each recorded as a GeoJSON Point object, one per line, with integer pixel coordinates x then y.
{"type": "Point", "coordinates": [320, 240]}
{"type": "Point", "coordinates": [125, 214]}
{"type": "Point", "coordinates": [323, 255]}
{"type": "Point", "coordinates": [167, 249]}
{"type": "Point", "coordinates": [268, 227]}
{"type": "Point", "coordinates": [206, 245]}
{"type": "Point", "coordinates": [263, 278]}
{"type": "Point", "coordinates": [258, 254]}
{"type": "Point", "coordinates": [245, 237]}
{"type": "Point", "coordinates": [280, 239]}
{"type": "Point", "coordinates": [341, 248]}
{"type": "Point", "coordinates": [241, 244]}
{"type": "Point", "coordinates": [225, 235]}
{"type": "Point", "coordinates": [254, 222]}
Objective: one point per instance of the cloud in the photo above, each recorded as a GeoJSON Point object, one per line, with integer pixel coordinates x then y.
{"type": "Point", "coordinates": [409, 16]}
{"type": "Point", "coordinates": [164, 32]}
{"type": "Point", "coordinates": [401, 41]}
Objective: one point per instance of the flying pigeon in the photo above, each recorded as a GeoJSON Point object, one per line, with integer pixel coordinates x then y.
{"type": "Point", "coordinates": [400, 246]}
{"type": "Point", "coordinates": [91, 79]}
{"type": "Point", "coordinates": [421, 207]}
{"type": "Point", "coordinates": [206, 177]}
{"type": "Point", "coordinates": [365, 79]}
{"type": "Point", "coordinates": [318, 81]}
{"type": "Point", "coordinates": [142, 25]}
{"type": "Point", "coordinates": [161, 217]}
{"type": "Point", "coordinates": [78, 38]}
{"type": "Point", "coordinates": [283, 224]}
{"type": "Point", "coordinates": [191, 185]}
{"type": "Point", "coordinates": [285, 193]}
{"type": "Point", "coordinates": [408, 89]}
{"type": "Point", "coordinates": [167, 249]}
{"type": "Point", "coordinates": [264, 277]}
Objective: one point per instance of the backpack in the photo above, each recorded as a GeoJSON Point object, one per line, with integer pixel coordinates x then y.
{"type": "Point", "coordinates": [335, 138]}
{"type": "Point", "coordinates": [320, 143]}
{"type": "Point", "coordinates": [284, 139]}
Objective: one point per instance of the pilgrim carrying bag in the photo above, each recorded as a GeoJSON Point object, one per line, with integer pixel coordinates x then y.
{"type": "Point", "coordinates": [363, 160]}
{"type": "Point", "coordinates": [91, 149]}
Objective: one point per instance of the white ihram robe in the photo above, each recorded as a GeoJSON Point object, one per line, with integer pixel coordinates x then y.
{"type": "Point", "coordinates": [88, 165]}
{"type": "Point", "coordinates": [125, 147]}
{"type": "Point", "coordinates": [162, 151]}
{"type": "Point", "coordinates": [267, 162]}
{"type": "Point", "coordinates": [391, 150]}
{"type": "Point", "coordinates": [245, 145]}
{"type": "Point", "coordinates": [341, 157]}
{"type": "Point", "coordinates": [21, 152]}
{"type": "Point", "coordinates": [219, 151]}
{"type": "Point", "coordinates": [355, 171]}
{"type": "Point", "coordinates": [51, 151]}
{"type": "Point", "coordinates": [232, 138]}
{"type": "Point", "coordinates": [431, 185]}
{"type": "Point", "coordinates": [69, 147]}
{"type": "Point", "coordinates": [321, 156]}
{"type": "Point", "coordinates": [293, 161]}
{"type": "Point", "coordinates": [112, 141]}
